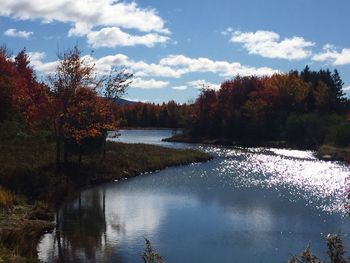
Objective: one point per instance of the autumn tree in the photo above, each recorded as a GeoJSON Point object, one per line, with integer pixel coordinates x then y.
{"type": "Point", "coordinates": [7, 83]}
{"type": "Point", "coordinates": [23, 99]}
{"type": "Point", "coordinates": [88, 118]}
{"type": "Point", "coordinates": [305, 108]}
{"type": "Point", "coordinates": [79, 114]}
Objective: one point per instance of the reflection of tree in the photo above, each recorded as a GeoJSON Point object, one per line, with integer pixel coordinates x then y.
{"type": "Point", "coordinates": [81, 230]}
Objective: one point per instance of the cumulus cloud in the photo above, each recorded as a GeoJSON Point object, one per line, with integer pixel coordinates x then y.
{"type": "Point", "coordinates": [179, 87]}
{"type": "Point", "coordinates": [331, 55]}
{"type": "Point", "coordinates": [36, 60]}
{"type": "Point", "coordinates": [203, 84]}
{"type": "Point", "coordinates": [148, 83]}
{"type": "Point", "coordinates": [140, 68]}
{"type": "Point", "coordinates": [223, 68]}
{"type": "Point", "coordinates": [173, 66]}
{"type": "Point", "coordinates": [269, 44]}
{"type": "Point", "coordinates": [347, 89]}
{"type": "Point", "coordinates": [113, 36]}
{"type": "Point", "coordinates": [84, 15]}
{"type": "Point", "coordinates": [12, 32]}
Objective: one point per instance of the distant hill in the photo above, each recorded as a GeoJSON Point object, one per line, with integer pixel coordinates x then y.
{"type": "Point", "coordinates": [122, 102]}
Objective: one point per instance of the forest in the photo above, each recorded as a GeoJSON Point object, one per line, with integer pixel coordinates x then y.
{"type": "Point", "coordinates": [305, 108]}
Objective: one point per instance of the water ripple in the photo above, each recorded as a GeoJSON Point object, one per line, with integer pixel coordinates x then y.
{"type": "Point", "coordinates": [322, 184]}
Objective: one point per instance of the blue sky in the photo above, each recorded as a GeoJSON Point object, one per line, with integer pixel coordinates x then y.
{"type": "Point", "coordinates": [175, 47]}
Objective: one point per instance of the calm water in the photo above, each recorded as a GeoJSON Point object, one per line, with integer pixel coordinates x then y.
{"type": "Point", "coordinates": [246, 205]}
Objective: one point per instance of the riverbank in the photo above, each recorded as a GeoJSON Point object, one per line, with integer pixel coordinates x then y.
{"type": "Point", "coordinates": [324, 152]}
{"type": "Point", "coordinates": [28, 170]}
{"type": "Point", "coordinates": [329, 152]}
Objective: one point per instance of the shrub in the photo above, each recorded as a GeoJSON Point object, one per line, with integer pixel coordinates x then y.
{"type": "Point", "coordinates": [149, 256]}
{"type": "Point", "coordinates": [306, 129]}
{"type": "Point", "coordinates": [339, 135]}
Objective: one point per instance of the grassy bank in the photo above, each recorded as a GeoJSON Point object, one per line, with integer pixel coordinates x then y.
{"type": "Point", "coordinates": [329, 152]}
{"type": "Point", "coordinates": [325, 152]}
{"type": "Point", "coordinates": [222, 141]}
{"type": "Point", "coordinates": [31, 187]}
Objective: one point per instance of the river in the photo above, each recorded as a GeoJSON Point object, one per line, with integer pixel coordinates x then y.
{"type": "Point", "coordinates": [246, 205]}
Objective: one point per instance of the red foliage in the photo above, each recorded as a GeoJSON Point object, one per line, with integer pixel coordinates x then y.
{"type": "Point", "coordinates": [21, 91]}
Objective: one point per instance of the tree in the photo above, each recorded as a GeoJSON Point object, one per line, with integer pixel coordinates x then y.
{"type": "Point", "coordinates": [22, 97]}
{"type": "Point", "coordinates": [31, 98]}
{"type": "Point", "coordinates": [7, 83]}
{"type": "Point", "coordinates": [88, 118]}
{"type": "Point", "coordinates": [117, 82]}
{"type": "Point", "coordinates": [79, 114]}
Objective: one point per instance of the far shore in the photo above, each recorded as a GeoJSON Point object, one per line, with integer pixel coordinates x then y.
{"type": "Point", "coordinates": [324, 152]}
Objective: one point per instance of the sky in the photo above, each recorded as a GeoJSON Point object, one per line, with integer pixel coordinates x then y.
{"type": "Point", "coordinates": [174, 48]}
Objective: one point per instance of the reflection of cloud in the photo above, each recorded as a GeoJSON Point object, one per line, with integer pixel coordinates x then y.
{"type": "Point", "coordinates": [140, 214]}
{"type": "Point", "coordinates": [257, 219]}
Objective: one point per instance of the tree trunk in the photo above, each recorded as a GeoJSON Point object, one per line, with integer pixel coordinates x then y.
{"type": "Point", "coordinates": [104, 149]}
{"type": "Point", "coordinates": [80, 157]}
{"type": "Point", "coordinates": [58, 152]}
{"type": "Point", "coordinates": [65, 153]}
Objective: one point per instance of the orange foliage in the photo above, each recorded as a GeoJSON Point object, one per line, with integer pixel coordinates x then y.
{"type": "Point", "coordinates": [88, 116]}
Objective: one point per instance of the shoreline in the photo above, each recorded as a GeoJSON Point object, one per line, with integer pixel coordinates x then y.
{"type": "Point", "coordinates": [31, 219]}
{"type": "Point", "coordinates": [323, 152]}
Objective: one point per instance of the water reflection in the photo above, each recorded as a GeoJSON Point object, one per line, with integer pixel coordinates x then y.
{"type": "Point", "coordinates": [81, 233]}
{"type": "Point", "coordinates": [246, 205]}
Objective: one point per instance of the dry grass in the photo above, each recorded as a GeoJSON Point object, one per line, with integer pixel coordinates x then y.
{"type": "Point", "coordinates": [7, 199]}
{"type": "Point", "coordinates": [334, 153]}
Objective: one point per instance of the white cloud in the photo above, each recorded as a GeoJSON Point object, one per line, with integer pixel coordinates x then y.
{"type": "Point", "coordinates": [148, 83]}
{"type": "Point", "coordinates": [223, 68]}
{"type": "Point", "coordinates": [173, 66]}
{"type": "Point", "coordinates": [12, 32]}
{"type": "Point", "coordinates": [87, 13]}
{"type": "Point", "coordinates": [203, 84]}
{"type": "Point", "coordinates": [84, 15]}
{"type": "Point", "coordinates": [227, 31]}
{"type": "Point", "coordinates": [113, 36]}
{"type": "Point", "coordinates": [36, 60]}
{"type": "Point", "coordinates": [79, 30]}
{"type": "Point", "coordinates": [179, 87]}
{"type": "Point", "coordinates": [331, 55]}
{"type": "Point", "coordinates": [141, 68]}
{"type": "Point", "coordinates": [347, 89]}
{"type": "Point", "coordinates": [268, 44]}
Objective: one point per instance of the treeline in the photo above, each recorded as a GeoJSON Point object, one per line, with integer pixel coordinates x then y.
{"type": "Point", "coordinates": [306, 108]}
{"type": "Point", "coordinates": [67, 107]}
{"type": "Point", "coordinates": [166, 115]}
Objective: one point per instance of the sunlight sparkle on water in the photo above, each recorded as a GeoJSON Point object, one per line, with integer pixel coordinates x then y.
{"type": "Point", "coordinates": [300, 172]}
